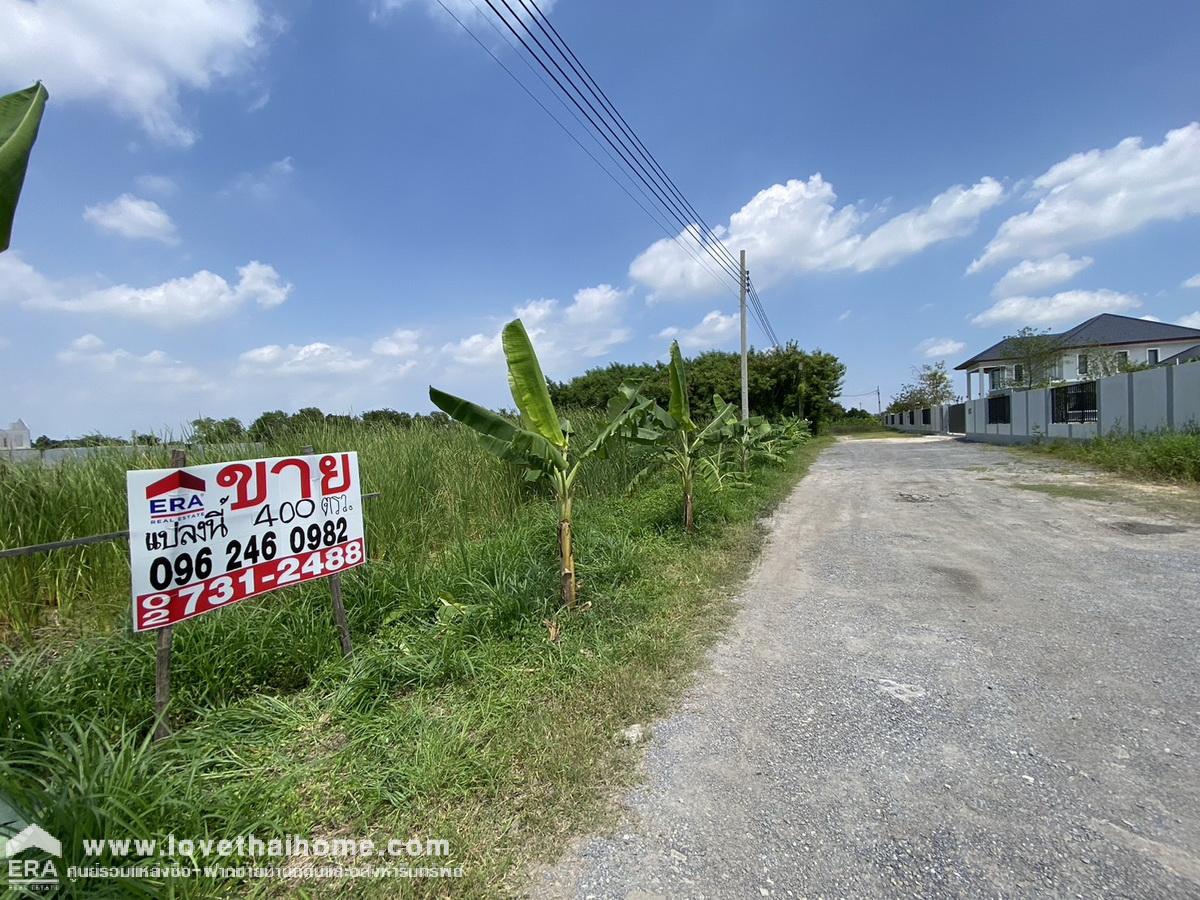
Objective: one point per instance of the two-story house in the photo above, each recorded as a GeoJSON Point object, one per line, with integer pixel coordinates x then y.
{"type": "Point", "coordinates": [1074, 355]}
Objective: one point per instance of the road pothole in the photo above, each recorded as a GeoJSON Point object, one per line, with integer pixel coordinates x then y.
{"type": "Point", "coordinates": [1148, 528]}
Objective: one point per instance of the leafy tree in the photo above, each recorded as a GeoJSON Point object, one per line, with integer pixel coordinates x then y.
{"type": "Point", "coordinates": [1037, 353]}
{"type": "Point", "coordinates": [268, 426]}
{"type": "Point", "coordinates": [784, 382]}
{"type": "Point", "coordinates": [207, 430]}
{"type": "Point", "coordinates": [309, 415]}
{"type": "Point", "coordinates": [387, 417]}
{"type": "Point", "coordinates": [931, 387]}
{"type": "Point", "coordinates": [595, 387]}
{"type": "Point", "coordinates": [1104, 361]}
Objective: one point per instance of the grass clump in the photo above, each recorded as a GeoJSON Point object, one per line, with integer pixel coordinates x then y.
{"type": "Point", "coordinates": [1158, 456]}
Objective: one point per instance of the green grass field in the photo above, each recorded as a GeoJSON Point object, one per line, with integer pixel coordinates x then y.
{"type": "Point", "coordinates": [472, 710]}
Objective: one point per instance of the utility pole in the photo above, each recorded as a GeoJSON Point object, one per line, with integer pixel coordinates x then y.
{"type": "Point", "coordinates": [878, 402]}
{"type": "Point", "coordinates": [745, 365]}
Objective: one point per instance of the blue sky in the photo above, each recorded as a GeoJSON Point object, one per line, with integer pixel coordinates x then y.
{"type": "Point", "coordinates": [236, 206]}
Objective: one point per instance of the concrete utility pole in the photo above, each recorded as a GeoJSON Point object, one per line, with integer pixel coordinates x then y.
{"type": "Point", "coordinates": [878, 402]}
{"type": "Point", "coordinates": [745, 364]}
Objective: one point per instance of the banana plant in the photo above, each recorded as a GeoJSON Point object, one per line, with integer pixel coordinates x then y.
{"type": "Point", "coordinates": [756, 438]}
{"type": "Point", "coordinates": [541, 441]}
{"type": "Point", "coordinates": [20, 116]}
{"type": "Point", "coordinates": [672, 433]}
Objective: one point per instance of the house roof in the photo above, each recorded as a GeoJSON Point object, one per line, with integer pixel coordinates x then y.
{"type": "Point", "coordinates": [1182, 356]}
{"type": "Point", "coordinates": [1105, 329]}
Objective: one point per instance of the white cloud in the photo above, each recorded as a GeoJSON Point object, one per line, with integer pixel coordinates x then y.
{"type": "Point", "coordinates": [317, 358]}
{"type": "Point", "coordinates": [952, 213]}
{"type": "Point", "coordinates": [844, 316]}
{"type": "Point", "coordinates": [1191, 320]}
{"type": "Point", "coordinates": [1030, 275]}
{"type": "Point", "coordinates": [714, 330]}
{"type": "Point", "coordinates": [401, 342]}
{"type": "Point", "coordinates": [22, 283]}
{"type": "Point", "coordinates": [135, 57]}
{"type": "Point", "coordinates": [264, 183]}
{"type": "Point", "coordinates": [162, 185]}
{"type": "Point", "coordinates": [1193, 282]}
{"type": "Point", "coordinates": [938, 347]}
{"type": "Point", "coordinates": [155, 367]}
{"type": "Point", "coordinates": [201, 297]}
{"type": "Point", "coordinates": [594, 319]}
{"type": "Point", "coordinates": [476, 350]}
{"type": "Point", "coordinates": [591, 325]}
{"type": "Point", "coordinates": [1066, 306]}
{"type": "Point", "coordinates": [261, 283]}
{"type": "Point", "coordinates": [797, 227]}
{"type": "Point", "coordinates": [133, 217]}
{"type": "Point", "coordinates": [1103, 193]}
{"type": "Point", "coordinates": [599, 304]}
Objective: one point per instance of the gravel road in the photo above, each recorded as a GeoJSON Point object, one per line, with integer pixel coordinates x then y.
{"type": "Point", "coordinates": [939, 684]}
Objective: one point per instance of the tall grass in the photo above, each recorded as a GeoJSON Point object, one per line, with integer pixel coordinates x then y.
{"type": "Point", "coordinates": [1162, 456]}
{"type": "Point", "coordinates": [458, 715]}
{"type": "Point", "coordinates": [437, 488]}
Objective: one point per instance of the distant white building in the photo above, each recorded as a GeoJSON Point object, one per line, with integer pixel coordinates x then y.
{"type": "Point", "coordinates": [15, 436]}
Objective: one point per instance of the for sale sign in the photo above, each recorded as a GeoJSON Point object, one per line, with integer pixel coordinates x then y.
{"type": "Point", "coordinates": [204, 537]}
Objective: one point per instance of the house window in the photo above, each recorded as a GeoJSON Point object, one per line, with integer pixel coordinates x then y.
{"type": "Point", "coordinates": [1074, 403]}
{"type": "Point", "coordinates": [1122, 358]}
{"type": "Point", "coordinates": [1082, 365]}
{"type": "Point", "coordinates": [912, 417]}
{"type": "Point", "coordinates": [1018, 373]}
{"type": "Point", "coordinates": [996, 379]}
{"type": "Point", "coordinates": [1152, 356]}
{"type": "Point", "coordinates": [926, 418]}
{"type": "Point", "coordinates": [999, 410]}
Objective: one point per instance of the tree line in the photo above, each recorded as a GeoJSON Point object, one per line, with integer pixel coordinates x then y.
{"type": "Point", "coordinates": [783, 382]}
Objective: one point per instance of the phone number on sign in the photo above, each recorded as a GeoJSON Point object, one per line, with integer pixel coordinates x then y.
{"type": "Point", "coordinates": [167, 607]}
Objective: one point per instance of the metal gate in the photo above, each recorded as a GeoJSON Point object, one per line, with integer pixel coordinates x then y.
{"type": "Point", "coordinates": [958, 418]}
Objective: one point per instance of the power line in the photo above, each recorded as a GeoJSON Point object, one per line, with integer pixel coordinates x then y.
{"type": "Point", "coordinates": [653, 217]}
{"type": "Point", "coordinates": [649, 177]}
{"type": "Point", "coordinates": [602, 127]}
{"type": "Point", "coordinates": [579, 67]}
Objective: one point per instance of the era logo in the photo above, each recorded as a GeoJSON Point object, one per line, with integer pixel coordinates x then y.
{"type": "Point", "coordinates": [179, 494]}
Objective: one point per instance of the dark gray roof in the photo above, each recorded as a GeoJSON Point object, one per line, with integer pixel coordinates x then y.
{"type": "Point", "coordinates": [1102, 330]}
{"type": "Point", "coordinates": [1183, 356]}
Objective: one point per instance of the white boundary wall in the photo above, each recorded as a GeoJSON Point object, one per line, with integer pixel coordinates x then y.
{"type": "Point", "coordinates": [1166, 398]}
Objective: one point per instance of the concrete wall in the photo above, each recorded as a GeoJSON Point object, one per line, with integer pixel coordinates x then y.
{"type": "Point", "coordinates": [1160, 399]}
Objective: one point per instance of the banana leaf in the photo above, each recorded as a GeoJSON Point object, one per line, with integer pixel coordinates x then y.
{"type": "Point", "coordinates": [528, 385]}
{"type": "Point", "coordinates": [678, 406]}
{"type": "Point", "coordinates": [20, 116]}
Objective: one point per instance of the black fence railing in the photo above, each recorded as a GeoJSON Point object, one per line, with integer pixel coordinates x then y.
{"type": "Point", "coordinates": [1074, 403]}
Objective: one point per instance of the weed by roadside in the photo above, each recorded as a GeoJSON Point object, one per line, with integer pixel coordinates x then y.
{"type": "Point", "coordinates": [1161, 456]}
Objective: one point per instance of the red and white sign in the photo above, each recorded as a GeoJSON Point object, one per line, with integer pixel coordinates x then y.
{"type": "Point", "coordinates": [204, 537]}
